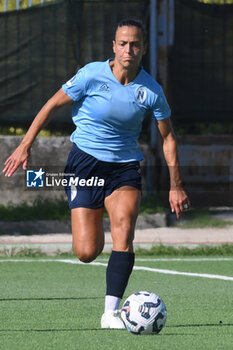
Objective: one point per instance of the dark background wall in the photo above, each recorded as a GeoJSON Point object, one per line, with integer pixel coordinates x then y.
{"type": "Point", "coordinates": [43, 46]}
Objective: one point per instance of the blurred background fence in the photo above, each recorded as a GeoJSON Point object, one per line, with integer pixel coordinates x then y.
{"type": "Point", "coordinates": [201, 60]}
{"type": "Point", "coordinates": [43, 46]}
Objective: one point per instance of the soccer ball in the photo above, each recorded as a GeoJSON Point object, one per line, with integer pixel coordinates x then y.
{"type": "Point", "coordinates": [144, 313]}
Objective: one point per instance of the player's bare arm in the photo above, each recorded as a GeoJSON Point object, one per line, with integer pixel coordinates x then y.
{"type": "Point", "coordinates": [21, 154]}
{"type": "Point", "coordinates": [177, 197]}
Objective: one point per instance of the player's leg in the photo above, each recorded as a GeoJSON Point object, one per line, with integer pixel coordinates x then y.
{"type": "Point", "coordinates": [86, 203]}
{"type": "Point", "coordinates": [122, 206]}
{"type": "Point", "coordinates": [87, 233]}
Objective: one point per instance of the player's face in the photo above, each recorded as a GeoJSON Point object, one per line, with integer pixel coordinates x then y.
{"type": "Point", "coordinates": [128, 47]}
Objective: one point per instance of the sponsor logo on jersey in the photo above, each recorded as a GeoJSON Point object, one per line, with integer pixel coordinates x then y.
{"type": "Point", "coordinates": [70, 82]}
{"type": "Point", "coordinates": [104, 87]}
{"type": "Point", "coordinates": [140, 95]}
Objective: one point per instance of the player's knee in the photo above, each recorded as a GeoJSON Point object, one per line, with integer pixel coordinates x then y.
{"type": "Point", "coordinates": [125, 225]}
{"type": "Point", "coordinates": [123, 235]}
{"type": "Point", "coordinates": [86, 256]}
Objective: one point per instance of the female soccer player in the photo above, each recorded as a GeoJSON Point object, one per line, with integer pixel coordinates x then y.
{"type": "Point", "coordinates": [110, 100]}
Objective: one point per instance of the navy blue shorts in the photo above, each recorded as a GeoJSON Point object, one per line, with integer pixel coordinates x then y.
{"type": "Point", "coordinates": [90, 180]}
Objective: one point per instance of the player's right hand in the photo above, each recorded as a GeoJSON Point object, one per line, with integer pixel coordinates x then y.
{"type": "Point", "coordinates": [18, 157]}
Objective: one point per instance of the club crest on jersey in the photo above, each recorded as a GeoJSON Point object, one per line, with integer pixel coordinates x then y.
{"type": "Point", "coordinates": [140, 95]}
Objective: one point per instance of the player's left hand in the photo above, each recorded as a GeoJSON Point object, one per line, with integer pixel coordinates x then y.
{"type": "Point", "coordinates": [179, 202]}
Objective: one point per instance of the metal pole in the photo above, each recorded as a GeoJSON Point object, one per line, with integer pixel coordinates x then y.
{"type": "Point", "coordinates": [153, 38]}
{"type": "Point", "coordinates": [5, 5]}
{"type": "Point", "coordinates": [17, 4]}
{"type": "Point", "coordinates": [153, 59]}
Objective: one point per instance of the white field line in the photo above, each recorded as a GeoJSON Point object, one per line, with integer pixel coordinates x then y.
{"type": "Point", "coordinates": [173, 272]}
{"type": "Point", "coordinates": [176, 259]}
{"type": "Point", "coordinates": [142, 268]}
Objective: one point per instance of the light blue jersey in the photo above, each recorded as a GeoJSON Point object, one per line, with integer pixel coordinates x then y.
{"type": "Point", "coordinates": [108, 115]}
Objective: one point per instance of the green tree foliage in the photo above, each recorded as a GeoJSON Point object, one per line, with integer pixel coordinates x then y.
{"type": "Point", "coordinates": [216, 2]}
{"type": "Point", "coordinates": [23, 4]}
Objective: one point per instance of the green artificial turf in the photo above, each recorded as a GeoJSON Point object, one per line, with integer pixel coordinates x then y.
{"type": "Point", "coordinates": [47, 304]}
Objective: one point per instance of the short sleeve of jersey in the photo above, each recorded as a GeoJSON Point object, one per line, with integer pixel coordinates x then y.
{"type": "Point", "coordinates": [75, 88]}
{"type": "Point", "coordinates": [161, 109]}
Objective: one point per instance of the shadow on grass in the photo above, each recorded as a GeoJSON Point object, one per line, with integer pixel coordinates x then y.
{"type": "Point", "coordinates": [101, 329]}
{"type": "Point", "coordinates": [58, 330]}
{"type": "Point", "coordinates": [220, 324]}
{"type": "Point", "coordinates": [48, 299]}
{"type": "Point", "coordinates": [86, 330]}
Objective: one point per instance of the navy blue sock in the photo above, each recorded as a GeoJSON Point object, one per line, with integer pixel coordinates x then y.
{"type": "Point", "coordinates": [119, 269]}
